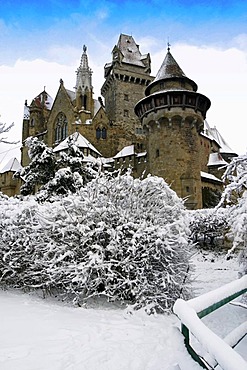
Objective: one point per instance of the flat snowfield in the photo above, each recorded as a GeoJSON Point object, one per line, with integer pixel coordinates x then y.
{"type": "Point", "coordinates": [44, 334]}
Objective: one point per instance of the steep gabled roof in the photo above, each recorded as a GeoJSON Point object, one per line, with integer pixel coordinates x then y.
{"type": "Point", "coordinates": [79, 140]}
{"type": "Point", "coordinates": [12, 165]}
{"type": "Point", "coordinates": [214, 133]}
{"type": "Point", "coordinates": [130, 51]}
{"type": "Point", "coordinates": [43, 100]}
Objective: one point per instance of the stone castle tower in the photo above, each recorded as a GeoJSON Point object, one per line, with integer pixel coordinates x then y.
{"type": "Point", "coordinates": [126, 78]}
{"type": "Point", "coordinates": [173, 114]}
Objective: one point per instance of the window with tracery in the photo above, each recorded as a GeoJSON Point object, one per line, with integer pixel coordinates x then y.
{"type": "Point", "coordinates": [101, 133]}
{"type": "Point", "coordinates": [61, 127]}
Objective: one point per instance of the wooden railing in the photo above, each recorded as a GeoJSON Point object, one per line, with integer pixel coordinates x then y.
{"type": "Point", "coordinates": [220, 351]}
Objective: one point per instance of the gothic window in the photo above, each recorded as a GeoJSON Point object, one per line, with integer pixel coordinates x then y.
{"type": "Point", "coordinates": [98, 133]}
{"type": "Point", "coordinates": [101, 133]}
{"type": "Point", "coordinates": [61, 127]}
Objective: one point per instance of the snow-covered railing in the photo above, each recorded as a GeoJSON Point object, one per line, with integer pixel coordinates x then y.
{"type": "Point", "coordinates": [190, 312]}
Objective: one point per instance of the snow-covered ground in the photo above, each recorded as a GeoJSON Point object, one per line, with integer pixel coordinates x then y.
{"type": "Point", "coordinates": [38, 334]}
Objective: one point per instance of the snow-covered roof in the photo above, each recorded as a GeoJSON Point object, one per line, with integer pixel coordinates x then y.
{"type": "Point", "coordinates": [130, 50]}
{"type": "Point", "coordinates": [26, 114]}
{"type": "Point", "coordinates": [43, 100]}
{"type": "Point", "coordinates": [97, 106]}
{"type": "Point", "coordinates": [129, 150]}
{"type": "Point", "coordinates": [209, 176]}
{"type": "Point", "coordinates": [126, 151]}
{"type": "Point", "coordinates": [138, 155]}
{"type": "Point", "coordinates": [79, 140]}
{"type": "Point", "coordinates": [214, 134]}
{"type": "Point", "coordinates": [215, 159]}
{"type": "Point", "coordinates": [71, 94]}
{"type": "Point", "coordinates": [12, 165]}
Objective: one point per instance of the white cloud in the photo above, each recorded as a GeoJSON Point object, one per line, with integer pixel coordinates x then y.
{"type": "Point", "coordinates": [221, 75]}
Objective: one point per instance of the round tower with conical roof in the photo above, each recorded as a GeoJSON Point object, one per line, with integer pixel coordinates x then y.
{"type": "Point", "coordinates": [172, 114]}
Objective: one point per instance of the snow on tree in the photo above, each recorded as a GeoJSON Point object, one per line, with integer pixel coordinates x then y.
{"type": "Point", "coordinates": [123, 238]}
{"type": "Point", "coordinates": [236, 193]}
{"type": "Point", "coordinates": [210, 227]}
{"type": "Point", "coordinates": [42, 167]}
{"type": "Point", "coordinates": [53, 175]}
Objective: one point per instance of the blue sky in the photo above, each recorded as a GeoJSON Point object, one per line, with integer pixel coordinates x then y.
{"type": "Point", "coordinates": [41, 42]}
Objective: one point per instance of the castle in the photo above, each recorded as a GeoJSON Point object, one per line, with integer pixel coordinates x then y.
{"type": "Point", "coordinates": [156, 125]}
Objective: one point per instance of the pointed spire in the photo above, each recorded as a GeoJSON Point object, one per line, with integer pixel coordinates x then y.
{"type": "Point", "coordinates": [84, 72]}
{"type": "Point", "coordinates": [170, 70]}
{"type": "Point", "coordinates": [84, 59]}
{"type": "Point", "coordinates": [169, 67]}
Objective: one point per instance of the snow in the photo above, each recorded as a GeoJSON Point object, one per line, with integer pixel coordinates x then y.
{"type": "Point", "coordinates": [212, 297]}
{"type": "Point", "coordinates": [12, 165]}
{"type": "Point", "coordinates": [126, 151]}
{"type": "Point", "coordinates": [44, 334]}
{"type": "Point", "coordinates": [226, 357]}
{"type": "Point", "coordinates": [79, 140]}
{"type": "Point", "coordinates": [209, 176]}
{"type": "Point", "coordinates": [215, 159]}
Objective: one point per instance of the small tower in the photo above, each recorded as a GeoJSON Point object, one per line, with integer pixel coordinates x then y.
{"type": "Point", "coordinates": [84, 88]}
{"type": "Point", "coordinates": [35, 120]}
{"type": "Point", "coordinates": [172, 114]}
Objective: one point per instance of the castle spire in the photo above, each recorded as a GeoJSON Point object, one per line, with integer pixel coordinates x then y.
{"type": "Point", "coordinates": [84, 73]}
{"type": "Point", "coordinates": [169, 67]}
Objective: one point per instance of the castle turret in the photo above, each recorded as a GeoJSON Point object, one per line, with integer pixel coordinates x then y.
{"type": "Point", "coordinates": [172, 114]}
{"type": "Point", "coordinates": [84, 88]}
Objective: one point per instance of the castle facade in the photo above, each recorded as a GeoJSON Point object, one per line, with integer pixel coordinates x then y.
{"type": "Point", "coordinates": [153, 124]}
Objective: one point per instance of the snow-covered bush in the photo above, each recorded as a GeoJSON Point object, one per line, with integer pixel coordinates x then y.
{"type": "Point", "coordinates": [120, 237]}
{"type": "Point", "coordinates": [210, 227]}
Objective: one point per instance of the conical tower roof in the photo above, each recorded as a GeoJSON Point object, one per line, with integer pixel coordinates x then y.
{"type": "Point", "coordinates": [170, 70]}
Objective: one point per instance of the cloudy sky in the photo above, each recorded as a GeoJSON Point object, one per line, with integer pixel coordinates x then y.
{"type": "Point", "coordinates": [41, 42]}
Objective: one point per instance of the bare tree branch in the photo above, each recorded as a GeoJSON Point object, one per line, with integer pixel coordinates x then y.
{"type": "Point", "coordinates": [3, 129]}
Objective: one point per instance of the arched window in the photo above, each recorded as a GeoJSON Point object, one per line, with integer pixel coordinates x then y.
{"type": "Point", "coordinates": [98, 133]}
{"type": "Point", "coordinates": [101, 133]}
{"type": "Point", "coordinates": [61, 127]}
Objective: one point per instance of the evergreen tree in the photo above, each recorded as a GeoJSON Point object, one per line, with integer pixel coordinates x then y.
{"type": "Point", "coordinates": [49, 175]}
{"type": "Point", "coordinates": [42, 167]}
